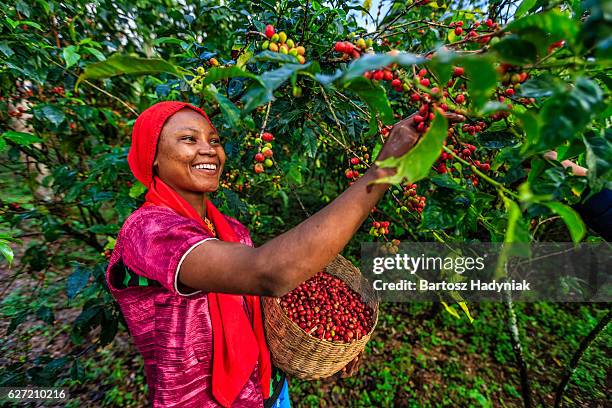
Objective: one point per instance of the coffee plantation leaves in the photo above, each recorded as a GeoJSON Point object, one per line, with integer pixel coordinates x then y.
{"type": "Point", "coordinates": [47, 112]}
{"type": "Point", "coordinates": [565, 114]}
{"type": "Point", "coordinates": [71, 55]}
{"type": "Point", "coordinates": [416, 164]}
{"type": "Point", "coordinates": [77, 281]}
{"type": "Point", "coordinates": [21, 138]}
{"type": "Point", "coordinates": [483, 79]}
{"type": "Point", "coordinates": [217, 74]}
{"type": "Point", "coordinates": [544, 29]}
{"type": "Point", "coordinates": [230, 112]}
{"type": "Point", "coordinates": [375, 96]}
{"type": "Point", "coordinates": [119, 64]}
{"type": "Point", "coordinates": [259, 94]}
{"type": "Point", "coordinates": [514, 50]}
{"type": "Point", "coordinates": [599, 158]}
{"type": "Point", "coordinates": [571, 218]}
{"type": "Point", "coordinates": [515, 238]}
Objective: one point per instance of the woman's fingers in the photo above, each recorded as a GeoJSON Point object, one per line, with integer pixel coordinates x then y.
{"type": "Point", "coordinates": [454, 117]}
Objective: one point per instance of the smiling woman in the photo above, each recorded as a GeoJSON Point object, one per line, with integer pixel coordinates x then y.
{"type": "Point", "coordinates": [190, 157]}
{"type": "Point", "coordinates": [188, 279]}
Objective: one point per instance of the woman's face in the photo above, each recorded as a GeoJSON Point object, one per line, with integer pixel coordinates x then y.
{"type": "Point", "coordinates": [189, 155]}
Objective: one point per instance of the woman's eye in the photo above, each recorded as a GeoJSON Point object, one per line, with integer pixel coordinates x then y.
{"type": "Point", "coordinates": [187, 138]}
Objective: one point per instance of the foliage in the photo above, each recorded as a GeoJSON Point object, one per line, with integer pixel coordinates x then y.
{"type": "Point", "coordinates": [75, 75]}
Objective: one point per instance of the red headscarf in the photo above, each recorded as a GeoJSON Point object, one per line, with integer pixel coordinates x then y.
{"type": "Point", "coordinates": [237, 344]}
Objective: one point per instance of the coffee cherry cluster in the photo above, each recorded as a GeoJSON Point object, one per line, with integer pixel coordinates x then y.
{"type": "Point", "coordinates": [512, 78]}
{"type": "Point", "coordinates": [357, 164]}
{"type": "Point", "coordinates": [474, 128]}
{"type": "Point", "coordinates": [379, 228]}
{"type": "Point", "coordinates": [327, 308]}
{"type": "Point", "coordinates": [389, 74]}
{"type": "Point", "coordinates": [475, 30]}
{"type": "Point", "coordinates": [263, 157]}
{"type": "Point", "coordinates": [385, 131]}
{"type": "Point", "coordinates": [555, 45]}
{"type": "Point", "coordinates": [390, 247]}
{"type": "Point", "coordinates": [413, 201]}
{"type": "Point", "coordinates": [465, 151]}
{"type": "Point", "coordinates": [234, 180]}
{"type": "Point", "coordinates": [279, 42]}
{"type": "Point", "coordinates": [58, 90]}
{"type": "Point", "coordinates": [352, 49]}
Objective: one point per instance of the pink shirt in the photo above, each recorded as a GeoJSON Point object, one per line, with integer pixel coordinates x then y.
{"type": "Point", "coordinates": [171, 330]}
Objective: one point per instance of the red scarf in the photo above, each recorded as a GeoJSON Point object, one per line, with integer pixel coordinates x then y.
{"type": "Point", "coordinates": [237, 344]}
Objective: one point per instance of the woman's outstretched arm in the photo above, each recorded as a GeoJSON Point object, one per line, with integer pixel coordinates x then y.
{"type": "Point", "coordinates": [284, 262]}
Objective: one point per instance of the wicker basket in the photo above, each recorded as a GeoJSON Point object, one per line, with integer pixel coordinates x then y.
{"type": "Point", "coordinates": [296, 352]}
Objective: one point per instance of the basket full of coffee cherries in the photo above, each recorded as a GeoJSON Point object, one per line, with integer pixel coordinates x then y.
{"type": "Point", "coordinates": [323, 324]}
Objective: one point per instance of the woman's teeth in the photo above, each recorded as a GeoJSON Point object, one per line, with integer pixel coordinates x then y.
{"type": "Point", "coordinates": [205, 166]}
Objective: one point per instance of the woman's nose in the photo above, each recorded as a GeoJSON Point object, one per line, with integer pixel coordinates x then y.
{"type": "Point", "coordinates": [206, 148]}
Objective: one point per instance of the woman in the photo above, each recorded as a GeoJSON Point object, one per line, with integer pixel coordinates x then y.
{"type": "Point", "coordinates": [188, 279]}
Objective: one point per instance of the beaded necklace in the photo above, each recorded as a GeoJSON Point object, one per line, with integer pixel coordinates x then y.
{"type": "Point", "coordinates": [210, 226]}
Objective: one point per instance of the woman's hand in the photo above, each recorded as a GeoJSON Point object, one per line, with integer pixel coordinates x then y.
{"type": "Point", "coordinates": [404, 136]}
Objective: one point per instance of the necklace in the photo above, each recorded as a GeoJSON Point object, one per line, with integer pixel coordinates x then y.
{"type": "Point", "coordinates": [210, 226]}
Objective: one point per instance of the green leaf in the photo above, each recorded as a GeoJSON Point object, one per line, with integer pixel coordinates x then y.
{"type": "Point", "coordinates": [565, 115]}
{"type": "Point", "coordinates": [444, 211]}
{"type": "Point", "coordinates": [96, 53]}
{"type": "Point", "coordinates": [71, 55]}
{"type": "Point", "coordinates": [417, 163]}
{"type": "Point", "coordinates": [108, 329]}
{"type": "Point", "coordinates": [24, 22]}
{"type": "Point", "coordinates": [599, 159]}
{"type": "Point", "coordinates": [119, 64]}
{"type": "Point", "coordinates": [540, 87]}
{"type": "Point", "coordinates": [52, 113]}
{"type": "Point", "coordinates": [6, 251]}
{"type": "Point", "coordinates": [450, 310]}
{"type": "Point", "coordinates": [442, 64]}
{"type": "Point", "coordinates": [244, 58]}
{"type": "Point", "coordinates": [137, 189]}
{"type": "Point", "coordinates": [77, 372]}
{"type": "Point", "coordinates": [21, 138]}
{"type": "Point", "coordinates": [571, 218]}
{"type": "Point", "coordinates": [545, 28]}
{"type": "Point", "coordinates": [77, 281]}
{"type": "Point", "coordinates": [466, 310]}
{"type": "Point", "coordinates": [168, 40]}
{"type": "Point", "coordinates": [525, 6]}
{"type": "Point", "coordinates": [375, 96]}
{"type": "Point", "coordinates": [516, 238]}
{"type": "Point", "coordinates": [217, 74]}
{"type": "Point", "coordinates": [515, 50]}
{"type": "Point", "coordinates": [482, 77]}
{"type": "Point", "coordinates": [6, 49]}
{"type": "Point", "coordinates": [230, 112]}
{"type": "Point", "coordinates": [263, 92]}
{"type": "Point", "coordinates": [310, 141]}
